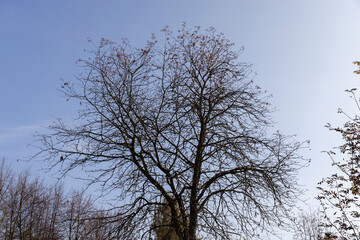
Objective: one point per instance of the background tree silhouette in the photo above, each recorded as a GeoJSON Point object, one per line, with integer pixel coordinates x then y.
{"type": "Point", "coordinates": [31, 210]}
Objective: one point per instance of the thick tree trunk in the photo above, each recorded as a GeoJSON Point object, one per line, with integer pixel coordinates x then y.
{"type": "Point", "coordinates": [195, 185]}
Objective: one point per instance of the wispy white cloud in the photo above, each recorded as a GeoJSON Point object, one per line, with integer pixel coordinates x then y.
{"type": "Point", "coordinates": [11, 134]}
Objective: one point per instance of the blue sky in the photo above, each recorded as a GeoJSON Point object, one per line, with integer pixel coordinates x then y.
{"type": "Point", "coordinates": [302, 52]}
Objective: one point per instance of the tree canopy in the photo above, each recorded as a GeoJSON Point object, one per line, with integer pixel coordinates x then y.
{"type": "Point", "coordinates": [179, 125]}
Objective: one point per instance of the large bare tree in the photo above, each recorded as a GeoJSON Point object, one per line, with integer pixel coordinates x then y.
{"type": "Point", "coordinates": [179, 124]}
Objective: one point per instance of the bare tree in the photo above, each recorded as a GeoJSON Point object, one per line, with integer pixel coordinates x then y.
{"type": "Point", "coordinates": [83, 220]}
{"type": "Point", "coordinates": [308, 226]}
{"type": "Point", "coordinates": [25, 207]}
{"type": "Point", "coordinates": [31, 210]}
{"type": "Point", "coordinates": [179, 122]}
